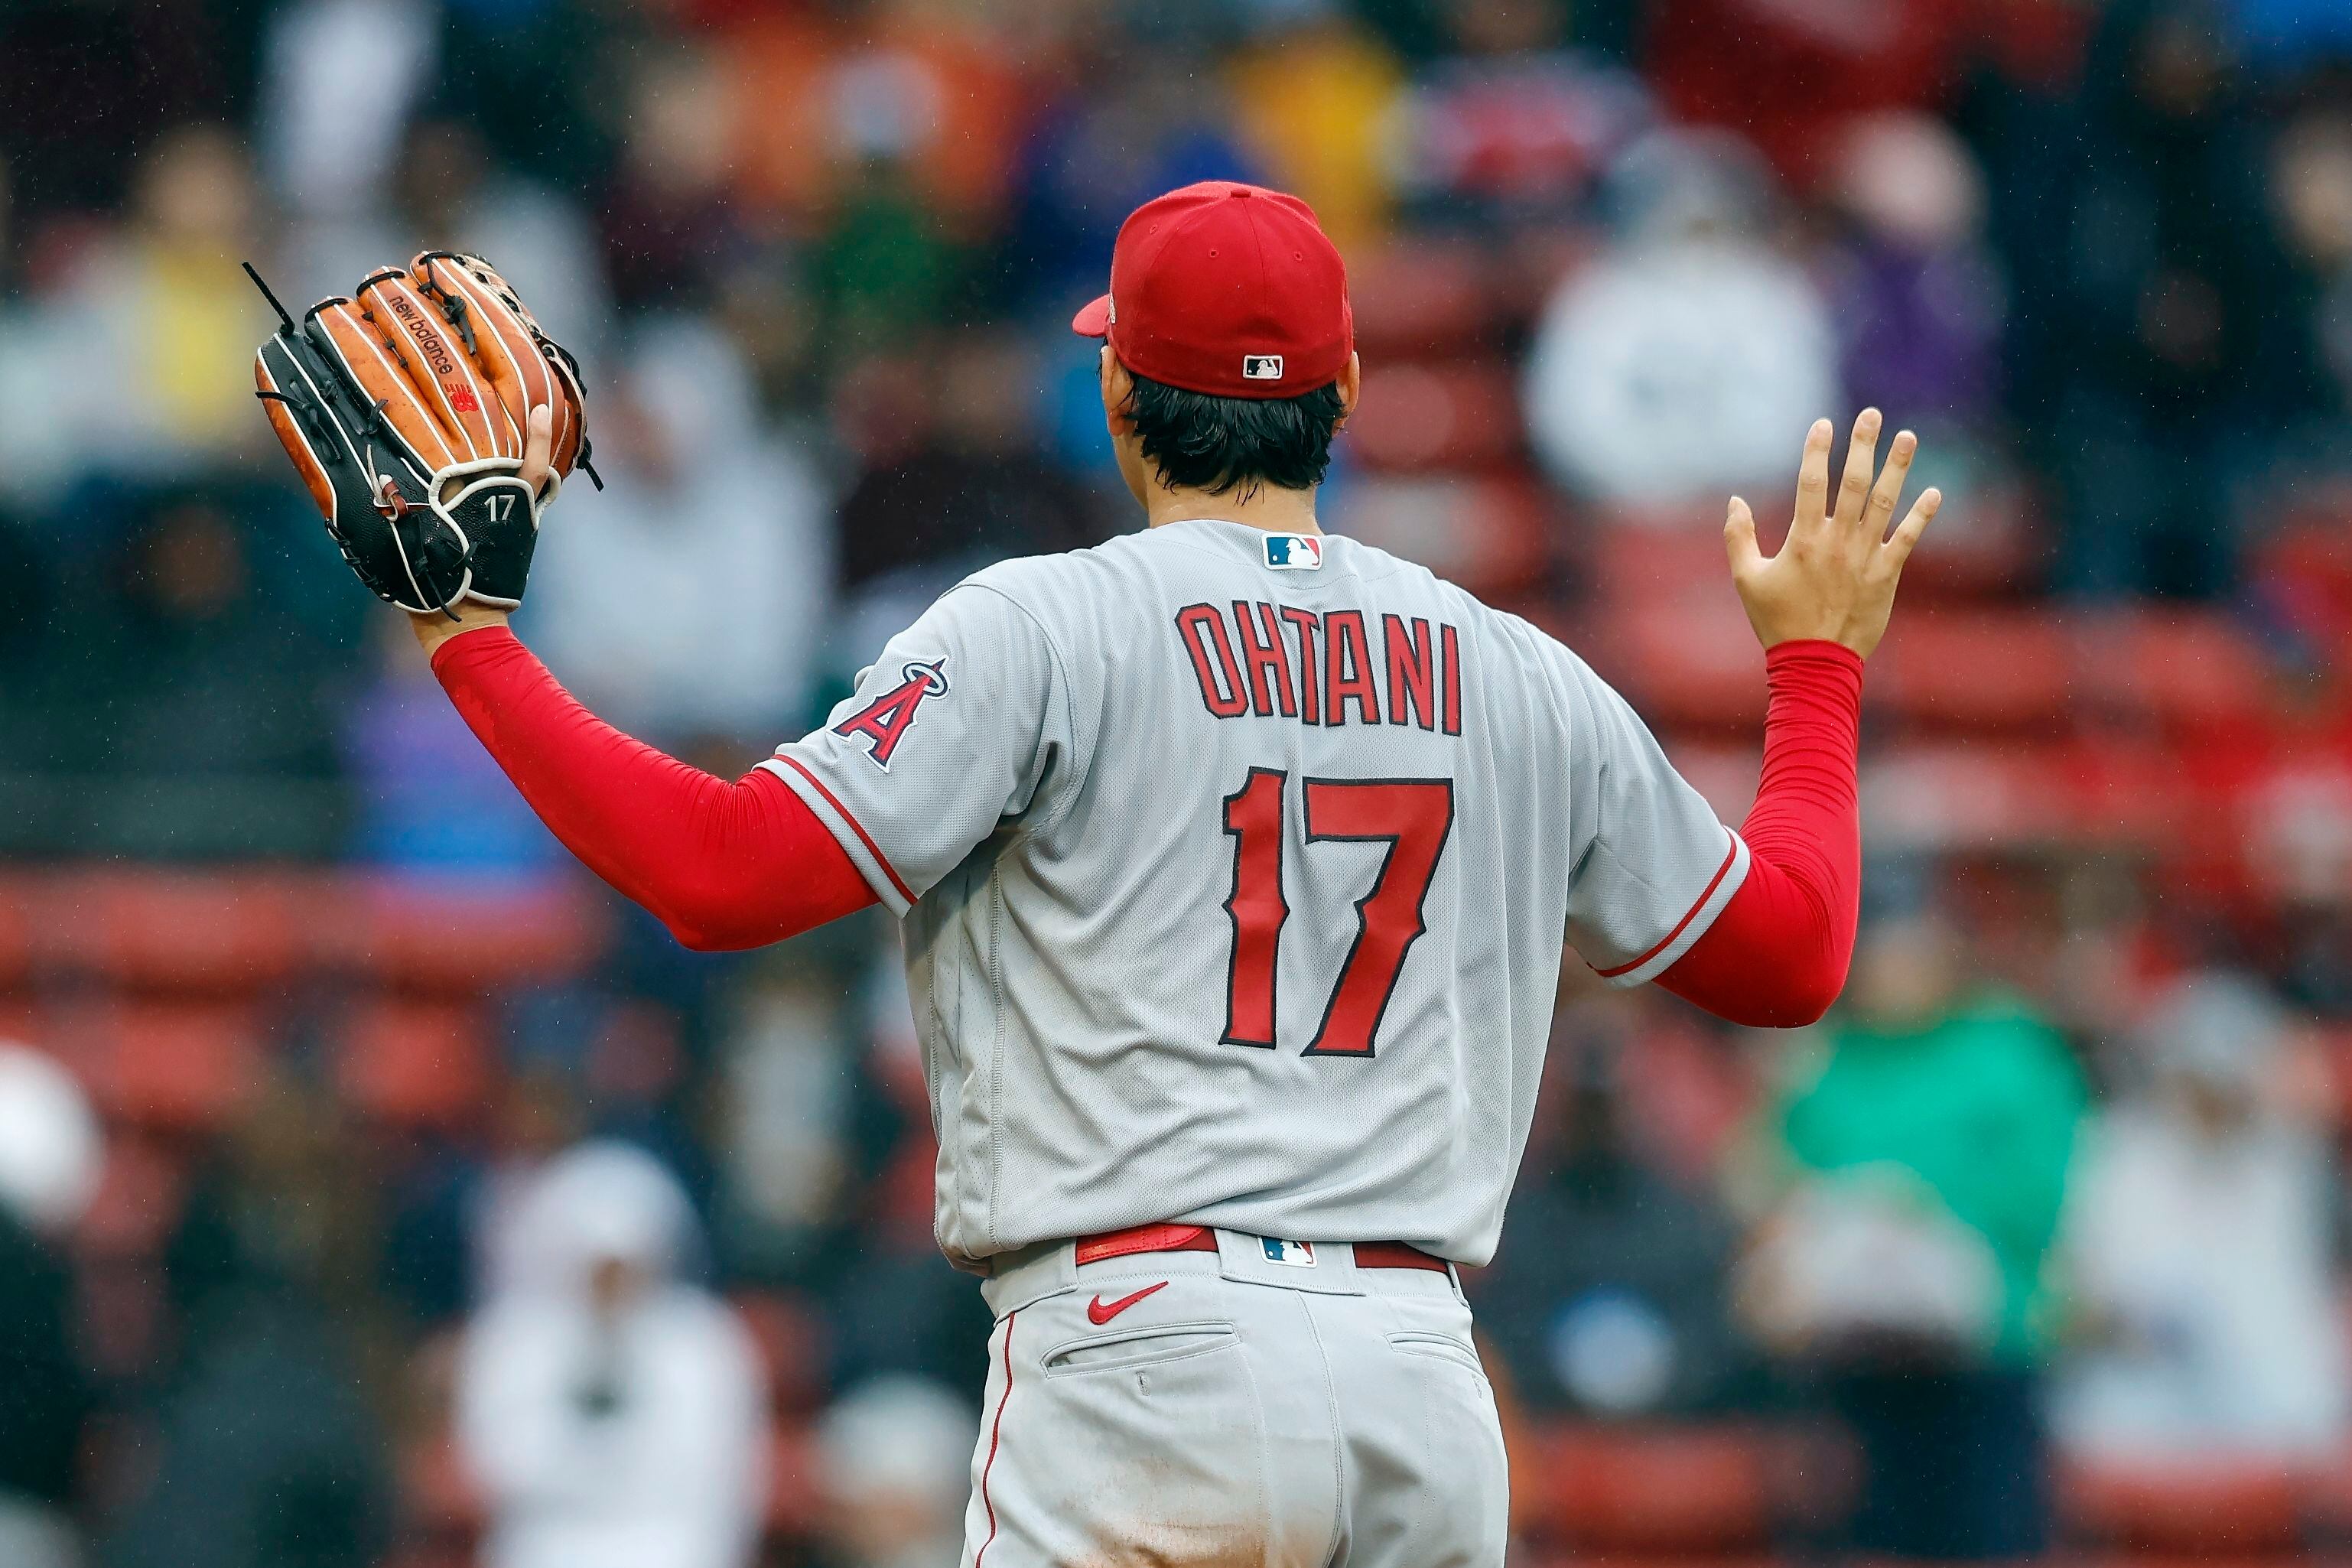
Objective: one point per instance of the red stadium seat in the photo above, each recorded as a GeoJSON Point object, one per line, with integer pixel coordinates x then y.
{"type": "Point", "coordinates": [795, 1487]}
{"type": "Point", "coordinates": [173, 1066]}
{"type": "Point", "coordinates": [1420, 417]}
{"type": "Point", "coordinates": [465, 937]}
{"type": "Point", "coordinates": [1974, 668]}
{"type": "Point", "coordinates": [416, 1063]}
{"type": "Point", "coordinates": [22, 1019]}
{"type": "Point", "coordinates": [437, 1494]}
{"type": "Point", "coordinates": [174, 930]}
{"type": "Point", "coordinates": [1648, 557]}
{"type": "Point", "coordinates": [142, 1192]}
{"type": "Point", "coordinates": [20, 900]}
{"type": "Point", "coordinates": [2195, 1507]}
{"type": "Point", "coordinates": [1645, 1492]}
{"type": "Point", "coordinates": [2174, 666]}
{"type": "Point", "coordinates": [1688, 661]}
{"type": "Point", "coordinates": [1420, 300]}
{"type": "Point", "coordinates": [791, 1339]}
{"type": "Point", "coordinates": [1990, 544]}
{"type": "Point", "coordinates": [2128, 792]}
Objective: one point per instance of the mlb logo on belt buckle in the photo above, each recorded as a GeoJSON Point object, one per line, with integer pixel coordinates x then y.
{"type": "Point", "coordinates": [1297, 1254]}
{"type": "Point", "coordinates": [1294, 552]}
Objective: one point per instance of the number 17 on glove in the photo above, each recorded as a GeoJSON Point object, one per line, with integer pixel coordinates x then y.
{"type": "Point", "coordinates": [405, 408]}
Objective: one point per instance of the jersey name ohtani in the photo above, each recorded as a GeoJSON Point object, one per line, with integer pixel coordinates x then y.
{"type": "Point", "coordinates": [1320, 668]}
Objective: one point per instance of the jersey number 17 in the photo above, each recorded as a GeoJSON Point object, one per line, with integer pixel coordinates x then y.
{"type": "Point", "coordinates": [1413, 817]}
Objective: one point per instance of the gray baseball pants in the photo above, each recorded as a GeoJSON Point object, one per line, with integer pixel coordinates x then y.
{"type": "Point", "coordinates": [1244, 1408]}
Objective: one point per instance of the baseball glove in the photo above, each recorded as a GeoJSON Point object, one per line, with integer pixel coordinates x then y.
{"type": "Point", "coordinates": [406, 409]}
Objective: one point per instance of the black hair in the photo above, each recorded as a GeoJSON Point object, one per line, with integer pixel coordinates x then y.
{"type": "Point", "coordinates": [1202, 442]}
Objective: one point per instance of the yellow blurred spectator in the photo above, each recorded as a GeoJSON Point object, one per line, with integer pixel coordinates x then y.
{"type": "Point", "coordinates": [195, 332]}
{"type": "Point", "coordinates": [1312, 101]}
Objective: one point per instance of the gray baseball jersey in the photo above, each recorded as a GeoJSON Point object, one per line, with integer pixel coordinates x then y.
{"type": "Point", "coordinates": [1234, 869]}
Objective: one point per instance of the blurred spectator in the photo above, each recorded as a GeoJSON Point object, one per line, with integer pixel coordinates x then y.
{"type": "Point", "coordinates": [1826, 61]}
{"type": "Point", "coordinates": [195, 626]}
{"type": "Point", "coordinates": [690, 599]}
{"type": "Point", "coordinates": [1095, 157]}
{"type": "Point", "coordinates": [1926, 1162]}
{"type": "Point", "coordinates": [954, 476]}
{"type": "Point", "coordinates": [2197, 1250]}
{"type": "Point", "coordinates": [2293, 32]}
{"type": "Point", "coordinates": [138, 360]}
{"type": "Point", "coordinates": [93, 84]}
{"type": "Point", "coordinates": [266, 1451]}
{"type": "Point", "coordinates": [49, 1154]}
{"type": "Point", "coordinates": [789, 1084]}
{"type": "Point", "coordinates": [426, 798]}
{"type": "Point", "coordinates": [1916, 301]}
{"type": "Point", "coordinates": [341, 79]}
{"type": "Point", "coordinates": [1514, 128]}
{"type": "Point", "coordinates": [1611, 1295]}
{"type": "Point", "coordinates": [938, 95]}
{"type": "Point", "coordinates": [669, 228]}
{"type": "Point", "coordinates": [896, 1465]}
{"type": "Point", "coordinates": [1689, 357]}
{"type": "Point", "coordinates": [537, 1116]}
{"type": "Point", "coordinates": [2310, 351]}
{"type": "Point", "coordinates": [1314, 91]}
{"type": "Point", "coordinates": [447, 191]}
{"type": "Point", "coordinates": [612, 1413]}
{"type": "Point", "coordinates": [886, 266]}
{"type": "Point", "coordinates": [897, 1304]}
{"type": "Point", "coordinates": [2170, 271]}
{"type": "Point", "coordinates": [7, 235]}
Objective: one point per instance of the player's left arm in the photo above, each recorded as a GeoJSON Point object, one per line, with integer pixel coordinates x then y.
{"type": "Point", "coordinates": [1778, 953]}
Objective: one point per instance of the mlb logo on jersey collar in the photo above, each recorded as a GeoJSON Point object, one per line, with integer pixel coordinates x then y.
{"type": "Point", "coordinates": [1297, 1254]}
{"type": "Point", "coordinates": [1293, 553]}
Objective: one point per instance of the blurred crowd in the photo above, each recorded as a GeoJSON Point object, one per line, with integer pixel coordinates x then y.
{"type": "Point", "coordinates": [623, 1256]}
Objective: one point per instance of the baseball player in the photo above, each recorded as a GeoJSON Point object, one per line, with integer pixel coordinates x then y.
{"type": "Point", "coordinates": [1234, 861]}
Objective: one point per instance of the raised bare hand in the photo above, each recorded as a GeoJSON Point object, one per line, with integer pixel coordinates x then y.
{"type": "Point", "coordinates": [1834, 576]}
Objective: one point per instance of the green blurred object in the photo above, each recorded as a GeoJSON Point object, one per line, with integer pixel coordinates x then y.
{"type": "Point", "coordinates": [1982, 1105]}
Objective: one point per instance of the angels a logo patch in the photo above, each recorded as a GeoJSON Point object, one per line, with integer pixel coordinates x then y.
{"type": "Point", "coordinates": [886, 721]}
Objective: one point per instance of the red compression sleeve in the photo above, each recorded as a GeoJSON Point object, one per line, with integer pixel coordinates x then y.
{"type": "Point", "coordinates": [1777, 955]}
{"type": "Point", "coordinates": [722, 865]}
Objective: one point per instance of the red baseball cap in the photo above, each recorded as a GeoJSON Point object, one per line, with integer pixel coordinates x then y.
{"type": "Point", "coordinates": [1226, 289]}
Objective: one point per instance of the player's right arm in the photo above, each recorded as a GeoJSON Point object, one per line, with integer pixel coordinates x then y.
{"type": "Point", "coordinates": [722, 865]}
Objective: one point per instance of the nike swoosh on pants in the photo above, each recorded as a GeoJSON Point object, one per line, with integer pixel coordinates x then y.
{"type": "Point", "coordinates": [1101, 1311]}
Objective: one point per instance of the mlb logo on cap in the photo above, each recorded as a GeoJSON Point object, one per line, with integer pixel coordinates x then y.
{"type": "Point", "coordinates": [1297, 1254]}
{"type": "Point", "coordinates": [1293, 553]}
{"type": "Point", "coordinates": [1261, 367]}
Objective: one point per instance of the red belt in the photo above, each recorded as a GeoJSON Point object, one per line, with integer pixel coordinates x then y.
{"type": "Point", "coordinates": [1201, 1238]}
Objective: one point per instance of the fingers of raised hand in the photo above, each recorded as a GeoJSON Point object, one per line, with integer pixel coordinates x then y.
{"type": "Point", "coordinates": [1739, 540]}
{"type": "Point", "coordinates": [1813, 478]}
{"type": "Point", "coordinates": [1860, 459]}
{"type": "Point", "coordinates": [1889, 488]}
{"type": "Point", "coordinates": [1914, 524]}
